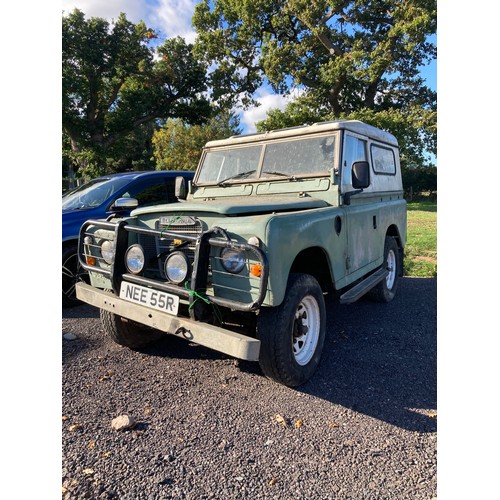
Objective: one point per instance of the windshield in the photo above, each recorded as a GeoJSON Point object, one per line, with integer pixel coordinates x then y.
{"type": "Point", "coordinates": [92, 194]}
{"type": "Point", "coordinates": [291, 158]}
{"type": "Point", "coordinates": [227, 163]}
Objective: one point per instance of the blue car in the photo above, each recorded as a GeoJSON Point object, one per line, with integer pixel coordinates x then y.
{"type": "Point", "coordinates": [96, 200]}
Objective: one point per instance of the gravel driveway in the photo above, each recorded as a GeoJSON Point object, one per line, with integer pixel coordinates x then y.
{"type": "Point", "coordinates": [210, 426]}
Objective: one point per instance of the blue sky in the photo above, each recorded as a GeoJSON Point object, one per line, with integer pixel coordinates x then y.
{"type": "Point", "coordinates": [173, 18]}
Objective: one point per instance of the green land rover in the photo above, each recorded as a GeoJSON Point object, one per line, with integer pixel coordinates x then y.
{"type": "Point", "coordinates": [271, 222]}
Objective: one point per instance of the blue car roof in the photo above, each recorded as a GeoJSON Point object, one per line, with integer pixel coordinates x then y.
{"type": "Point", "coordinates": [147, 173]}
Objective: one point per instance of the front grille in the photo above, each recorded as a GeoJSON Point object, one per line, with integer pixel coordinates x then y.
{"type": "Point", "coordinates": [167, 244]}
{"type": "Point", "coordinates": [156, 249]}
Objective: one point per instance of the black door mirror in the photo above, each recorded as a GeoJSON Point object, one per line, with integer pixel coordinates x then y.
{"type": "Point", "coordinates": [180, 188]}
{"type": "Point", "coordinates": [360, 174]}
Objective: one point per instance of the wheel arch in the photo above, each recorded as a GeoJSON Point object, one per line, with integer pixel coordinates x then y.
{"type": "Point", "coordinates": [393, 231]}
{"type": "Point", "coordinates": [314, 261]}
{"type": "Point", "coordinates": [69, 242]}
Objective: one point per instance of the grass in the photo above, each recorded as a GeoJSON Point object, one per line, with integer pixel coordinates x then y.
{"type": "Point", "coordinates": [421, 244]}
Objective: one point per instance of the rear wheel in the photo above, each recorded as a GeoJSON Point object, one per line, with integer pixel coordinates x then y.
{"type": "Point", "coordinates": [386, 289]}
{"type": "Point", "coordinates": [126, 332]}
{"type": "Point", "coordinates": [292, 334]}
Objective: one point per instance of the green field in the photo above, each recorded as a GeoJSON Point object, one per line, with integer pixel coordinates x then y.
{"type": "Point", "coordinates": [421, 244]}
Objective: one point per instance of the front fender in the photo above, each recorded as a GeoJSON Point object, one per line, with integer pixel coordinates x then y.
{"type": "Point", "coordinates": [287, 235]}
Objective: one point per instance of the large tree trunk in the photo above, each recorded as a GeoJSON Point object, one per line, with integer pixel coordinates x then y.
{"type": "Point", "coordinates": [333, 97]}
{"type": "Point", "coordinates": [78, 160]}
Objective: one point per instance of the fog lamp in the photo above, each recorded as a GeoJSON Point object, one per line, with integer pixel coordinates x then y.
{"type": "Point", "coordinates": [177, 267]}
{"type": "Point", "coordinates": [134, 259]}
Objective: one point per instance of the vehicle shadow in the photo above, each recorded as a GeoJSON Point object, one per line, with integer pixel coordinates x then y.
{"type": "Point", "coordinates": [381, 359]}
{"type": "Point", "coordinates": [80, 311]}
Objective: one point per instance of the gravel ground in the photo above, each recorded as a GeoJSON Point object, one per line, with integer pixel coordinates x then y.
{"type": "Point", "coordinates": [210, 426]}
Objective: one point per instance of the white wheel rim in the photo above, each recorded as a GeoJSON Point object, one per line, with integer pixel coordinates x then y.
{"type": "Point", "coordinates": [306, 327]}
{"type": "Point", "coordinates": [391, 267]}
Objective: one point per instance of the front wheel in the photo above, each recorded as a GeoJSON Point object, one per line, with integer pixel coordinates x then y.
{"type": "Point", "coordinates": [126, 332]}
{"type": "Point", "coordinates": [292, 334]}
{"type": "Point", "coordinates": [386, 289]}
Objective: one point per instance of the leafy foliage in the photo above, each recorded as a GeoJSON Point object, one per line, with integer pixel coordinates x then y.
{"type": "Point", "coordinates": [177, 145]}
{"type": "Point", "coordinates": [419, 180]}
{"type": "Point", "coordinates": [351, 54]}
{"type": "Point", "coordinates": [114, 89]}
{"type": "Point", "coordinates": [349, 58]}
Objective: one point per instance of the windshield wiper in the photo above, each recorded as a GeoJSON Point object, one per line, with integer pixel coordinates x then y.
{"type": "Point", "coordinates": [241, 175]}
{"type": "Point", "coordinates": [281, 174]}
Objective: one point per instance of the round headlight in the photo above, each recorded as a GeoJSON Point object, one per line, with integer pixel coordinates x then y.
{"type": "Point", "coordinates": [233, 260]}
{"type": "Point", "coordinates": [108, 251]}
{"type": "Point", "coordinates": [134, 259]}
{"type": "Point", "coordinates": [176, 267]}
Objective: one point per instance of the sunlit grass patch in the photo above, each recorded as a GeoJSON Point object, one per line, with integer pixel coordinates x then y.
{"type": "Point", "coordinates": [421, 245]}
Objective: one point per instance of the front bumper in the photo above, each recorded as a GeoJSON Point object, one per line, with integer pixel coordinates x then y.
{"type": "Point", "coordinates": [213, 337]}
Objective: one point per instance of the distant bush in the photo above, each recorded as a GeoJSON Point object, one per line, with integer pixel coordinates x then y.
{"type": "Point", "coordinates": [419, 180]}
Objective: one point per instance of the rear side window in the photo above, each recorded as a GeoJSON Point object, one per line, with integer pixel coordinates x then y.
{"type": "Point", "coordinates": [151, 192]}
{"type": "Point", "coordinates": [383, 160]}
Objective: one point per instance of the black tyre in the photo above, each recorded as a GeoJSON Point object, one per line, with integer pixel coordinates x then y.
{"type": "Point", "coordinates": [72, 273]}
{"type": "Point", "coordinates": [386, 289]}
{"type": "Point", "coordinates": [292, 334]}
{"type": "Point", "coordinates": [127, 333]}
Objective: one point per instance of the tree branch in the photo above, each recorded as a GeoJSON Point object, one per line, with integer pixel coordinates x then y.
{"type": "Point", "coordinates": [308, 82]}
{"type": "Point", "coordinates": [111, 138]}
{"type": "Point", "coordinates": [327, 43]}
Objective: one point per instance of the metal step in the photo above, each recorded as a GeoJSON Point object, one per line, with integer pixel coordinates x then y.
{"type": "Point", "coordinates": [366, 285]}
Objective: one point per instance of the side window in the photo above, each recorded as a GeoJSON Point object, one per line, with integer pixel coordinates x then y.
{"type": "Point", "coordinates": [149, 192]}
{"type": "Point", "coordinates": [354, 150]}
{"type": "Point", "coordinates": [171, 189]}
{"type": "Point", "coordinates": [383, 160]}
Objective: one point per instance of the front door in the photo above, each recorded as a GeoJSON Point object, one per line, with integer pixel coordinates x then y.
{"type": "Point", "coordinates": [361, 217]}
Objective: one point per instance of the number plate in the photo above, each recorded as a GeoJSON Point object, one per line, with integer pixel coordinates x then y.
{"type": "Point", "coordinates": [150, 298]}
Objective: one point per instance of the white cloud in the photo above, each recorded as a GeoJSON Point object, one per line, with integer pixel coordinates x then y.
{"type": "Point", "coordinates": [267, 101]}
{"type": "Point", "coordinates": [170, 17]}
{"type": "Point", "coordinates": [135, 10]}
{"type": "Point", "coordinates": [173, 18]}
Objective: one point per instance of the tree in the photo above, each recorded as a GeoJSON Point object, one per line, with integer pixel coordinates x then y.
{"type": "Point", "coordinates": [115, 89]}
{"type": "Point", "coordinates": [177, 145]}
{"type": "Point", "coordinates": [346, 56]}
{"type": "Point", "coordinates": [419, 180]}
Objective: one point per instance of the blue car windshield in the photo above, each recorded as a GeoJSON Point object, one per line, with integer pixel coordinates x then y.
{"type": "Point", "coordinates": [92, 194]}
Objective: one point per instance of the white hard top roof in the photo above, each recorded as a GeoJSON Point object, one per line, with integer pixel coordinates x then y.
{"type": "Point", "coordinates": [352, 125]}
